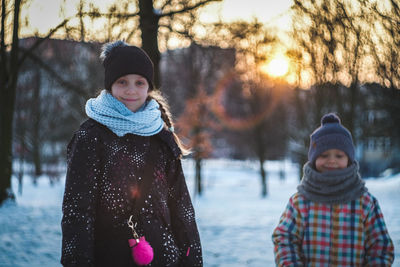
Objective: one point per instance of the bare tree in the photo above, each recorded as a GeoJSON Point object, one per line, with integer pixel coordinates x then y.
{"type": "Point", "coordinates": [155, 19]}
{"type": "Point", "coordinates": [385, 50]}
{"type": "Point", "coordinates": [55, 82]}
{"type": "Point", "coordinates": [343, 44]}
{"type": "Point", "coordinates": [331, 36]}
{"type": "Point", "coordinates": [255, 100]}
{"type": "Point", "coordinates": [195, 124]}
{"type": "Point", "coordinates": [190, 85]}
{"type": "Point", "coordinates": [331, 48]}
{"type": "Point", "coordinates": [11, 59]}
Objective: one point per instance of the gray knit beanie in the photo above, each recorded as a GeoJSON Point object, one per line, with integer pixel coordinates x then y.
{"type": "Point", "coordinates": [120, 59]}
{"type": "Point", "coordinates": [330, 135]}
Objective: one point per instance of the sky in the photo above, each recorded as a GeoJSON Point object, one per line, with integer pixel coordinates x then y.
{"type": "Point", "coordinates": [43, 13]}
{"type": "Point", "coordinates": [270, 12]}
{"type": "Point", "coordinates": [273, 13]}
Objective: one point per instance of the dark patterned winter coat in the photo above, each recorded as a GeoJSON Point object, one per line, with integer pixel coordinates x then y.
{"type": "Point", "coordinates": [105, 175]}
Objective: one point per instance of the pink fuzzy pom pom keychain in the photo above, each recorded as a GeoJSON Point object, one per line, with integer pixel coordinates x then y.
{"type": "Point", "coordinates": [142, 252]}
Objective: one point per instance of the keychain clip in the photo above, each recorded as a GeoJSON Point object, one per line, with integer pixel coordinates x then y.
{"type": "Point", "coordinates": [142, 252]}
{"type": "Point", "coordinates": [132, 226]}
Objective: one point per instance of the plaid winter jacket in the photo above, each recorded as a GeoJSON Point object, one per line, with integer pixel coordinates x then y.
{"type": "Point", "coordinates": [317, 234]}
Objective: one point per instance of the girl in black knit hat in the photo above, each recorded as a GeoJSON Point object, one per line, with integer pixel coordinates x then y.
{"type": "Point", "coordinates": [126, 202]}
{"type": "Point", "coordinates": [332, 220]}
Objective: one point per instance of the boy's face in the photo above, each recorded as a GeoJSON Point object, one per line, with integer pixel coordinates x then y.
{"type": "Point", "coordinates": [332, 159]}
{"type": "Point", "coordinates": [131, 90]}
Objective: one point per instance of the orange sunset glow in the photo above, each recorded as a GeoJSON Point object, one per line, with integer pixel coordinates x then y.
{"type": "Point", "coordinates": [278, 66]}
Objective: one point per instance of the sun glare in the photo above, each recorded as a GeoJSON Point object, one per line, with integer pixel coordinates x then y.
{"type": "Point", "coordinates": [276, 67]}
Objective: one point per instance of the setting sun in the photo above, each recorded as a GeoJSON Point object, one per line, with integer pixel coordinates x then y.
{"type": "Point", "coordinates": [276, 67]}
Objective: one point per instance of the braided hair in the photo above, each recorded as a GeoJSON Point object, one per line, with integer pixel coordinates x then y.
{"type": "Point", "coordinates": [167, 118]}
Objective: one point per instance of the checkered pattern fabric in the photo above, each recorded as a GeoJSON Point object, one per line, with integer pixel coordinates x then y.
{"type": "Point", "coordinates": [316, 234]}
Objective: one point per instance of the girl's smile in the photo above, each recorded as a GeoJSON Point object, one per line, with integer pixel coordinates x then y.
{"type": "Point", "coordinates": [131, 90]}
{"type": "Point", "coordinates": [129, 99]}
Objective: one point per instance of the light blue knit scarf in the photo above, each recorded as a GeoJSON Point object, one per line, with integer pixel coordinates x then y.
{"type": "Point", "coordinates": [112, 113]}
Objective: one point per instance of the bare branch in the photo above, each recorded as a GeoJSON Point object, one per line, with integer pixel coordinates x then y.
{"type": "Point", "coordinates": [171, 29]}
{"type": "Point", "coordinates": [2, 35]}
{"type": "Point", "coordinates": [96, 14]}
{"type": "Point", "coordinates": [15, 38]}
{"type": "Point", "coordinates": [54, 74]}
{"type": "Point", "coordinates": [41, 40]}
{"type": "Point", "coordinates": [188, 8]}
{"type": "Point", "coordinates": [167, 3]}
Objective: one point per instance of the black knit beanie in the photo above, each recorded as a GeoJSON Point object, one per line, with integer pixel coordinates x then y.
{"type": "Point", "coordinates": [330, 135]}
{"type": "Point", "coordinates": [120, 59]}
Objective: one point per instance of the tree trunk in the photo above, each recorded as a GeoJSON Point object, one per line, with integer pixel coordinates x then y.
{"type": "Point", "coordinates": [6, 119]}
{"type": "Point", "coordinates": [353, 109]}
{"type": "Point", "coordinates": [394, 110]}
{"type": "Point", "coordinates": [8, 84]}
{"type": "Point", "coordinates": [263, 174]}
{"type": "Point", "coordinates": [282, 172]}
{"type": "Point", "coordinates": [149, 28]}
{"type": "Point", "coordinates": [199, 188]}
{"type": "Point", "coordinates": [261, 153]}
{"type": "Point", "coordinates": [21, 165]}
{"type": "Point", "coordinates": [20, 133]}
{"type": "Point", "coordinates": [36, 112]}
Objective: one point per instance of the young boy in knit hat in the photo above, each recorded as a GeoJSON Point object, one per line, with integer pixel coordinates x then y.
{"type": "Point", "coordinates": [332, 220]}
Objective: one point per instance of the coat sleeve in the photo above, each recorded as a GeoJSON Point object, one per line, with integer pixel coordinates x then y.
{"type": "Point", "coordinates": [183, 221]}
{"type": "Point", "coordinates": [287, 237]}
{"type": "Point", "coordinates": [79, 203]}
{"type": "Point", "coordinates": [378, 244]}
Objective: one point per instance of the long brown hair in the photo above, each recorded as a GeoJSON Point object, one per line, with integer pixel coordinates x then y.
{"type": "Point", "coordinates": [167, 118]}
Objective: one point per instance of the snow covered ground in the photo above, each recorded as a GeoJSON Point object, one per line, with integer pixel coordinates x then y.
{"type": "Point", "coordinates": [235, 223]}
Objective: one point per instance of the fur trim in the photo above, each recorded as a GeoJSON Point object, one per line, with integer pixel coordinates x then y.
{"type": "Point", "coordinates": [108, 47]}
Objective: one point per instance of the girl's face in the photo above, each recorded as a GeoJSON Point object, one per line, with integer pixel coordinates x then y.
{"type": "Point", "coordinates": [332, 159]}
{"type": "Point", "coordinates": [131, 90]}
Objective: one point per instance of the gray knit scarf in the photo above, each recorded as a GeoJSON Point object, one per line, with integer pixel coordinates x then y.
{"type": "Point", "coordinates": [332, 187]}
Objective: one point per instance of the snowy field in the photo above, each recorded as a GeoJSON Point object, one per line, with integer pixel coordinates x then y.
{"type": "Point", "coordinates": [235, 223]}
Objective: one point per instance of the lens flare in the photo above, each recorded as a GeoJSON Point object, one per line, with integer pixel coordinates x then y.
{"type": "Point", "coordinates": [217, 107]}
{"type": "Point", "coordinates": [276, 67]}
